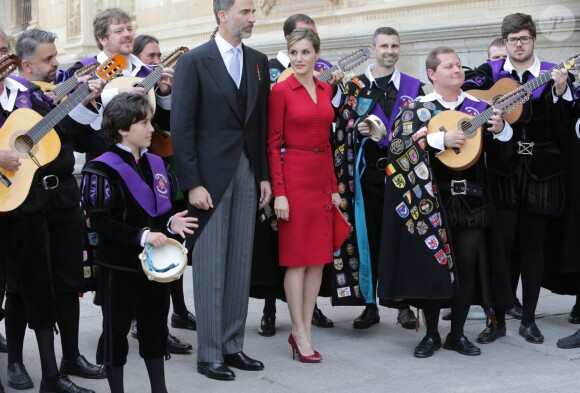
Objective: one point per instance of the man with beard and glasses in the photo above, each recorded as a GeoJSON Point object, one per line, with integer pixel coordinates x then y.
{"type": "Point", "coordinates": [218, 125]}
{"type": "Point", "coordinates": [526, 183]}
{"type": "Point", "coordinates": [381, 91]}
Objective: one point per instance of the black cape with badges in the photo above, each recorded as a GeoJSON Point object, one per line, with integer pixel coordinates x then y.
{"type": "Point", "coordinates": [416, 261]}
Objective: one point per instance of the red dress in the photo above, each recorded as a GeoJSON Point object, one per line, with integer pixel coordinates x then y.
{"type": "Point", "coordinates": [305, 175]}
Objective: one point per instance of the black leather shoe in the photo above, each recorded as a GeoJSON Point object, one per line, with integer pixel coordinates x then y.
{"type": "Point", "coordinates": [175, 345]}
{"type": "Point", "coordinates": [531, 333]}
{"type": "Point", "coordinates": [215, 370]}
{"type": "Point", "coordinates": [243, 362]}
{"type": "Point", "coordinates": [574, 317]}
{"type": "Point", "coordinates": [18, 377]}
{"type": "Point", "coordinates": [134, 331]}
{"type": "Point", "coordinates": [3, 344]}
{"type": "Point", "coordinates": [518, 311]}
{"type": "Point", "coordinates": [427, 347]}
{"type": "Point", "coordinates": [570, 342]}
{"type": "Point", "coordinates": [369, 317]}
{"type": "Point", "coordinates": [320, 320]}
{"type": "Point", "coordinates": [61, 385]}
{"type": "Point", "coordinates": [490, 334]}
{"type": "Point", "coordinates": [187, 322]}
{"type": "Point", "coordinates": [81, 367]}
{"type": "Point", "coordinates": [267, 326]}
{"type": "Point", "coordinates": [462, 346]}
{"type": "Point", "coordinates": [406, 318]}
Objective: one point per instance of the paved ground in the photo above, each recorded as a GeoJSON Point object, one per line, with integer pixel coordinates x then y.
{"type": "Point", "coordinates": [375, 360]}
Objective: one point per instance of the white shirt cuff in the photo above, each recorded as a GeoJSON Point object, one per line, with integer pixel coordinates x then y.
{"type": "Point", "coordinates": [169, 225]}
{"type": "Point", "coordinates": [567, 96]}
{"type": "Point", "coordinates": [143, 237]}
{"type": "Point", "coordinates": [83, 115]}
{"type": "Point", "coordinates": [108, 94]}
{"type": "Point", "coordinates": [436, 141]}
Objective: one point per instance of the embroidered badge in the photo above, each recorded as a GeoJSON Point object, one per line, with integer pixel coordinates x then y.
{"type": "Point", "coordinates": [404, 163]}
{"type": "Point", "coordinates": [161, 184]}
{"type": "Point", "coordinates": [422, 228]}
{"type": "Point", "coordinates": [434, 219]}
{"type": "Point", "coordinates": [407, 128]}
{"type": "Point", "coordinates": [340, 135]}
{"type": "Point", "coordinates": [346, 114]}
{"type": "Point", "coordinates": [429, 189]}
{"type": "Point", "coordinates": [356, 290]}
{"type": "Point", "coordinates": [407, 197]}
{"type": "Point", "coordinates": [338, 264]}
{"type": "Point", "coordinates": [346, 89]}
{"type": "Point", "coordinates": [274, 74]}
{"type": "Point", "coordinates": [343, 292]}
{"type": "Point", "coordinates": [402, 210]}
{"type": "Point", "coordinates": [351, 170]}
{"type": "Point", "coordinates": [410, 226]}
{"type": "Point", "coordinates": [350, 155]}
{"type": "Point", "coordinates": [408, 143]}
{"type": "Point", "coordinates": [422, 171]}
{"type": "Point", "coordinates": [353, 263]}
{"type": "Point", "coordinates": [351, 185]}
{"type": "Point", "coordinates": [417, 191]}
{"type": "Point", "coordinates": [350, 249]}
{"type": "Point", "coordinates": [341, 279]}
{"type": "Point", "coordinates": [407, 116]}
{"type": "Point", "coordinates": [443, 235]}
{"type": "Point", "coordinates": [390, 170]}
{"type": "Point", "coordinates": [414, 212]}
{"type": "Point", "coordinates": [363, 106]}
{"type": "Point", "coordinates": [413, 155]}
{"type": "Point", "coordinates": [355, 276]}
{"type": "Point", "coordinates": [419, 134]}
{"type": "Point", "coordinates": [441, 257]}
{"type": "Point", "coordinates": [426, 206]}
{"type": "Point", "coordinates": [397, 146]}
{"type": "Point", "coordinates": [423, 114]}
{"type": "Point", "coordinates": [471, 111]}
{"type": "Point", "coordinates": [446, 248]}
{"type": "Point", "coordinates": [350, 123]}
{"type": "Point", "coordinates": [411, 177]}
{"type": "Point", "coordinates": [341, 188]}
{"type": "Point", "coordinates": [399, 181]}
{"type": "Point", "coordinates": [432, 242]}
{"type": "Point", "coordinates": [422, 143]}
{"type": "Point", "coordinates": [429, 105]}
{"type": "Point", "coordinates": [338, 153]}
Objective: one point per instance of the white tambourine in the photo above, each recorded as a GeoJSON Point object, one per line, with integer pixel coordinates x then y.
{"type": "Point", "coordinates": [166, 263]}
{"type": "Point", "coordinates": [378, 129]}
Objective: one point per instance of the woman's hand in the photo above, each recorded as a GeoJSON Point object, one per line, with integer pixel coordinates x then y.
{"type": "Point", "coordinates": [336, 199]}
{"type": "Point", "coordinates": [181, 224]}
{"type": "Point", "coordinates": [282, 208]}
{"type": "Point", "coordinates": [156, 239]}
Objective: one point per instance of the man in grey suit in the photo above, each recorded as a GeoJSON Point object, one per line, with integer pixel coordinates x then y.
{"type": "Point", "coordinates": [219, 118]}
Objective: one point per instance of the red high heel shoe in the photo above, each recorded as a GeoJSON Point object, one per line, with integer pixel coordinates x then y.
{"type": "Point", "coordinates": [316, 357]}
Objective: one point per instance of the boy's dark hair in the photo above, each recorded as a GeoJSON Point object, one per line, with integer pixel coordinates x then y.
{"type": "Point", "coordinates": [291, 22]}
{"type": "Point", "coordinates": [121, 112]}
{"type": "Point", "coordinates": [517, 22]}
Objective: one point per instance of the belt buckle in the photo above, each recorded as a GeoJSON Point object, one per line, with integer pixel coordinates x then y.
{"type": "Point", "coordinates": [458, 187]}
{"type": "Point", "coordinates": [381, 163]}
{"type": "Point", "coordinates": [50, 182]}
{"type": "Point", "coordinates": [526, 148]}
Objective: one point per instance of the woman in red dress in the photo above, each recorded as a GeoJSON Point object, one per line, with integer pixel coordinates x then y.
{"type": "Point", "coordinates": [303, 183]}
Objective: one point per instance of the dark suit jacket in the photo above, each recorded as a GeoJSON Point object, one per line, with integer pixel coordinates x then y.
{"type": "Point", "coordinates": [207, 132]}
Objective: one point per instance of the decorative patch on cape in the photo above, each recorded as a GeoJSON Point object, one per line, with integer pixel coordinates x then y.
{"type": "Point", "coordinates": [429, 105]}
{"type": "Point", "coordinates": [423, 114]}
{"type": "Point", "coordinates": [399, 181]}
{"type": "Point", "coordinates": [353, 263]}
{"type": "Point", "coordinates": [407, 196]}
{"type": "Point", "coordinates": [432, 242]}
{"type": "Point", "coordinates": [338, 154]}
{"type": "Point", "coordinates": [363, 105]}
{"type": "Point", "coordinates": [404, 163]}
{"type": "Point", "coordinates": [422, 171]}
{"type": "Point", "coordinates": [470, 111]}
{"type": "Point", "coordinates": [350, 249]}
{"type": "Point", "coordinates": [402, 210]}
{"type": "Point", "coordinates": [410, 226]}
{"type": "Point", "coordinates": [413, 155]}
{"type": "Point", "coordinates": [417, 191]}
{"type": "Point", "coordinates": [343, 292]}
{"type": "Point", "coordinates": [338, 264]}
{"type": "Point", "coordinates": [274, 74]}
{"type": "Point", "coordinates": [411, 177]}
{"type": "Point", "coordinates": [161, 184]}
{"type": "Point", "coordinates": [390, 170]}
{"type": "Point", "coordinates": [422, 228]}
{"type": "Point", "coordinates": [441, 257]}
{"type": "Point", "coordinates": [397, 146]}
{"type": "Point", "coordinates": [426, 206]}
{"type": "Point", "coordinates": [443, 235]}
{"type": "Point", "coordinates": [407, 116]}
{"type": "Point", "coordinates": [341, 279]}
{"type": "Point", "coordinates": [435, 220]}
{"type": "Point", "coordinates": [414, 212]}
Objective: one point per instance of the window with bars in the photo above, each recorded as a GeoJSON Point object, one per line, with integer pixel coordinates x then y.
{"type": "Point", "coordinates": [26, 13]}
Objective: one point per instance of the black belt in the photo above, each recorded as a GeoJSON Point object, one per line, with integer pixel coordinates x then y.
{"type": "Point", "coordinates": [462, 187]}
{"type": "Point", "coordinates": [380, 164]}
{"type": "Point", "coordinates": [50, 182]}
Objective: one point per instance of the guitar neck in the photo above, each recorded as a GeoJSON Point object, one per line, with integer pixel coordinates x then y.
{"type": "Point", "coordinates": [152, 78]}
{"type": "Point", "coordinates": [326, 75]}
{"type": "Point", "coordinates": [40, 129]}
{"type": "Point", "coordinates": [543, 78]}
{"type": "Point", "coordinates": [66, 87]}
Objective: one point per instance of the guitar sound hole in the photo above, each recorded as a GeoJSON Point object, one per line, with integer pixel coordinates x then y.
{"type": "Point", "coordinates": [464, 125]}
{"type": "Point", "coordinates": [23, 144]}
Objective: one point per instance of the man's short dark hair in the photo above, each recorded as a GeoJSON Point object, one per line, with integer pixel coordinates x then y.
{"type": "Point", "coordinates": [498, 42]}
{"type": "Point", "coordinates": [385, 31]}
{"type": "Point", "coordinates": [121, 113]}
{"type": "Point", "coordinates": [221, 5]}
{"type": "Point", "coordinates": [106, 18]}
{"type": "Point", "coordinates": [291, 22]}
{"type": "Point", "coordinates": [141, 42]}
{"type": "Point", "coordinates": [513, 23]}
{"type": "Point", "coordinates": [433, 59]}
{"type": "Point", "coordinates": [28, 41]}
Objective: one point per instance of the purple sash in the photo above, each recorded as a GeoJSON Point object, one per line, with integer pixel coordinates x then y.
{"type": "Point", "coordinates": [408, 91]}
{"type": "Point", "coordinates": [144, 71]}
{"type": "Point", "coordinates": [22, 98]}
{"type": "Point", "coordinates": [322, 65]}
{"type": "Point", "coordinates": [498, 73]}
{"type": "Point", "coordinates": [473, 108]}
{"type": "Point", "coordinates": [155, 202]}
{"type": "Point", "coordinates": [63, 75]}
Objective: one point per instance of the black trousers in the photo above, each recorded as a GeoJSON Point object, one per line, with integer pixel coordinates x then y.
{"type": "Point", "coordinates": [128, 295]}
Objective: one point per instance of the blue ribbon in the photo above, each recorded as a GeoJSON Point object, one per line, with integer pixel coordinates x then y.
{"type": "Point", "coordinates": [148, 249]}
{"type": "Point", "coordinates": [365, 276]}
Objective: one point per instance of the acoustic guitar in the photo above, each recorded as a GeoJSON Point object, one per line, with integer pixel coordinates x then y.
{"type": "Point", "coordinates": [67, 86]}
{"type": "Point", "coordinates": [520, 114]}
{"type": "Point", "coordinates": [462, 158]}
{"type": "Point", "coordinates": [149, 82]}
{"type": "Point", "coordinates": [35, 140]}
{"type": "Point", "coordinates": [8, 64]}
{"type": "Point", "coordinates": [345, 63]}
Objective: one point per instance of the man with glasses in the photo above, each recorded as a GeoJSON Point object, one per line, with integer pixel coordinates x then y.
{"type": "Point", "coordinates": [381, 91]}
{"type": "Point", "coordinates": [526, 180]}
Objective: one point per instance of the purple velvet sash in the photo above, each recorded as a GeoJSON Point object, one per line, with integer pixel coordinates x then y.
{"type": "Point", "coordinates": [22, 98]}
{"type": "Point", "coordinates": [63, 75]}
{"type": "Point", "coordinates": [322, 65]}
{"type": "Point", "coordinates": [473, 108]}
{"type": "Point", "coordinates": [408, 91]}
{"type": "Point", "coordinates": [498, 73]}
{"type": "Point", "coordinates": [155, 202]}
{"type": "Point", "coordinates": [144, 71]}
